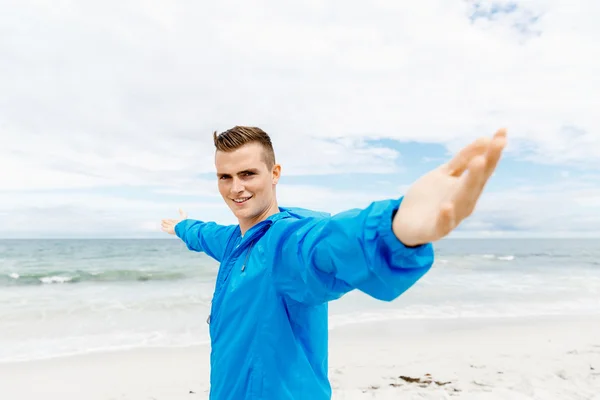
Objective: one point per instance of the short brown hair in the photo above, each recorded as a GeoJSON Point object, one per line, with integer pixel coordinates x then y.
{"type": "Point", "coordinates": [238, 136]}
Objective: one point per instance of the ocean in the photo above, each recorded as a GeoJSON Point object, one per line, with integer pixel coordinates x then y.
{"type": "Point", "coordinates": [66, 297]}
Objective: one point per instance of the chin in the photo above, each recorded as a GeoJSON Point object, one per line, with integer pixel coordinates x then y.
{"type": "Point", "coordinates": [242, 214]}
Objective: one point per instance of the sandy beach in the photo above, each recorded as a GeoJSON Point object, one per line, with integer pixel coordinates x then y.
{"type": "Point", "coordinates": [511, 358]}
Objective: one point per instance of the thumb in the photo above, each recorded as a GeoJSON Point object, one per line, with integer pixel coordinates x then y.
{"type": "Point", "coordinates": [182, 214]}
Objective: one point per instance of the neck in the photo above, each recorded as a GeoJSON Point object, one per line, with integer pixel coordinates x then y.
{"type": "Point", "coordinates": [246, 224]}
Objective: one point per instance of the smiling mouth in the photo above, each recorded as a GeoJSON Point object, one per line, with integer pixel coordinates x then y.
{"type": "Point", "coordinates": [241, 200]}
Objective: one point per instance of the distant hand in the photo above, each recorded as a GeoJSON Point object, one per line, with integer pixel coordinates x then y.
{"type": "Point", "coordinates": [168, 225]}
{"type": "Point", "coordinates": [441, 199]}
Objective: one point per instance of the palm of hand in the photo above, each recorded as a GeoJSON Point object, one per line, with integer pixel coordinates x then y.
{"type": "Point", "coordinates": [441, 199]}
{"type": "Point", "coordinates": [422, 208]}
{"type": "Point", "coordinates": [168, 225]}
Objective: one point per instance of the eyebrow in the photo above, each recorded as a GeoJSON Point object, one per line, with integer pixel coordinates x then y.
{"type": "Point", "coordinates": [252, 170]}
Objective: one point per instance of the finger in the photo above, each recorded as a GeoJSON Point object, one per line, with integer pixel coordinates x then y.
{"type": "Point", "coordinates": [500, 133]}
{"type": "Point", "coordinates": [459, 163]}
{"type": "Point", "coordinates": [182, 214]}
{"type": "Point", "coordinates": [167, 226]}
{"type": "Point", "coordinates": [495, 152]}
{"type": "Point", "coordinates": [470, 188]}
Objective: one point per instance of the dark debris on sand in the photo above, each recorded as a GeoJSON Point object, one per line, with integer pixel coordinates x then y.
{"type": "Point", "coordinates": [426, 381]}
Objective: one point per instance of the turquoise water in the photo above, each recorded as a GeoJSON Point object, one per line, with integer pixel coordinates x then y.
{"type": "Point", "coordinates": [61, 297]}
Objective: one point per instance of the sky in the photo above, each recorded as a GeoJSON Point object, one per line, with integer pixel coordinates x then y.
{"type": "Point", "coordinates": [107, 108]}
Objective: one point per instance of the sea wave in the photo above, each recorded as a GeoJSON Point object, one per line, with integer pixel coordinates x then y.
{"type": "Point", "coordinates": [497, 257]}
{"type": "Point", "coordinates": [70, 277]}
{"type": "Point", "coordinates": [566, 308]}
{"type": "Point", "coordinates": [48, 348]}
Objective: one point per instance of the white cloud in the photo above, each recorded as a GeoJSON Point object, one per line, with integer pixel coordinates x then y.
{"type": "Point", "coordinates": [565, 208]}
{"type": "Point", "coordinates": [127, 93]}
{"type": "Point", "coordinates": [75, 215]}
{"type": "Point", "coordinates": [570, 208]}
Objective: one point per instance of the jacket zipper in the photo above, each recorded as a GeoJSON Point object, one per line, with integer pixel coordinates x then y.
{"type": "Point", "coordinates": [226, 262]}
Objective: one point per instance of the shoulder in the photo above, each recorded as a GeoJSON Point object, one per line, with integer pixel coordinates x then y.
{"type": "Point", "coordinates": [296, 220]}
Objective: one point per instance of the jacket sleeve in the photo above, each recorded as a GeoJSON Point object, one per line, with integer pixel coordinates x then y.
{"type": "Point", "coordinates": [319, 260]}
{"type": "Point", "coordinates": [207, 237]}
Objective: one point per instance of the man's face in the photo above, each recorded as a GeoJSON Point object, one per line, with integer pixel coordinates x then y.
{"type": "Point", "coordinates": [245, 182]}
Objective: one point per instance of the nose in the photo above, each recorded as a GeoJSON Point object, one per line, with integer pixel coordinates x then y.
{"type": "Point", "coordinates": [237, 186]}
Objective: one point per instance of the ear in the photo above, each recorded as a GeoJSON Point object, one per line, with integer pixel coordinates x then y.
{"type": "Point", "coordinates": [276, 173]}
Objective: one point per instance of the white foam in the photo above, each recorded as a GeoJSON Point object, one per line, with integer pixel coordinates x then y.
{"type": "Point", "coordinates": [466, 311]}
{"type": "Point", "coordinates": [14, 275]}
{"type": "Point", "coordinates": [56, 279]}
{"type": "Point", "coordinates": [49, 350]}
{"type": "Point", "coordinates": [493, 256]}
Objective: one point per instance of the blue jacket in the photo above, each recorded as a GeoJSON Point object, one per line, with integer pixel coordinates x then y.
{"type": "Point", "coordinates": [269, 319]}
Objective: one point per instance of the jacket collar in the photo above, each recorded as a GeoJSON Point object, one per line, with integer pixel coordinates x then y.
{"type": "Point", "coordinates": [264, 225]}
{"type": "Point", "coordinates": [283, 213]}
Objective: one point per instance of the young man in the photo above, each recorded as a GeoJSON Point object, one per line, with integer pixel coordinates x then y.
{"type": "Point", "coordinates": [280, 266]}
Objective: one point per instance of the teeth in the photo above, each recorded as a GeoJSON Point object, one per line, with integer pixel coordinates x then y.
{"type": "Point", "coordinates": [241, 200]}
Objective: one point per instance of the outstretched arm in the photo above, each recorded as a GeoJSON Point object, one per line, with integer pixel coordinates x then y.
{"type": "Point", "coordinates": [207, 237]}
{"type": "Point", "coordinates": [384, 249]}
{"type": "Point", "coordinates": [319, 260]}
